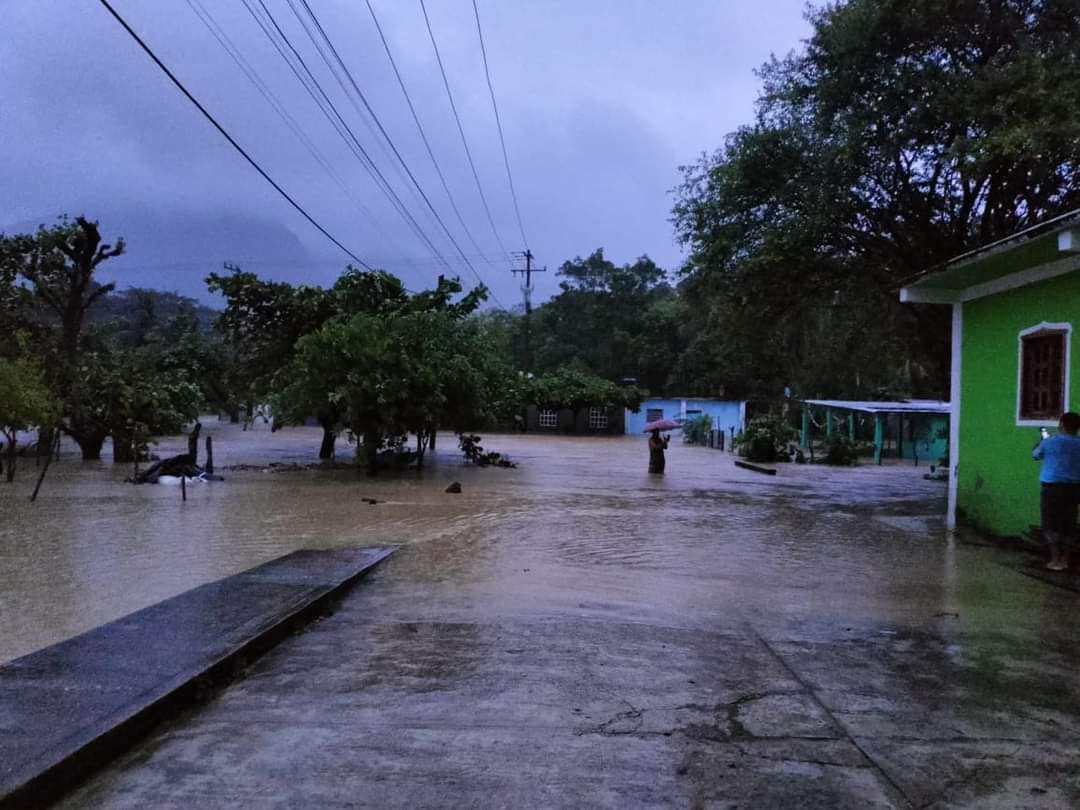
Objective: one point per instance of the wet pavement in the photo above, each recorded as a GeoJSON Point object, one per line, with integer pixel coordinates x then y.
{"type": "Point", "coordinates": [72, 707]}
{"type": "Point", "coordinates": [577, 633]}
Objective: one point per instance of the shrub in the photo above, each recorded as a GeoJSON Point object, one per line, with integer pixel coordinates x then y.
{"type": "Point", "coordinates": [696, 430]}
{"type": "Point", "coordinates": [765, 438]}
{"type": "Point", "coordinates": [840, 450]}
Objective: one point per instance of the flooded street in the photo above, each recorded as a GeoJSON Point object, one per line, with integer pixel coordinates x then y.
{"type": "Point", "coordinates": [576, 632]}
{"type": "Point", "coordinates": [574, 512]}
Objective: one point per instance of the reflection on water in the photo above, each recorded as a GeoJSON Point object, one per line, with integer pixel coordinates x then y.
{"type": "Point", "coordinates": [579, 526]}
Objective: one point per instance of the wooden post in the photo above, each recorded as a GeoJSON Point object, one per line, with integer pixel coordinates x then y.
{"type": "Point", "coordinates": [183, 487]}
{"type": "Point", "coordinates": [879, 437]}
{"type": "Point", "coordinates": [209, 455]}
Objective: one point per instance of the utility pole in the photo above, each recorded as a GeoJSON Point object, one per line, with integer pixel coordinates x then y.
{"type": "Point", "coordinates": [526, 292]}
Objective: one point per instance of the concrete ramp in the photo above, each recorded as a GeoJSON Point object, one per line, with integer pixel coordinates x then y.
{"type": "Point", "coordinates": [67, 709]}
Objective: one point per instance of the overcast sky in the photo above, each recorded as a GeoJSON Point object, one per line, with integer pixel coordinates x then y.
{"type": "Point", "coordinates": [600, 101]}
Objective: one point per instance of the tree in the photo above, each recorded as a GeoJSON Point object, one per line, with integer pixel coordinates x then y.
{"type": "Point", "coordinates": [615, 322]}
{"type": "Point", "coordinates": [59, 264]}
{"type": "Point", "coordinates": [264, 320]}
{"type": "Point", "coordinates": [403, 366]}
{"type": "Point", "coordinates": [904, 134]}
{"type": "Point", "coordinates": [261, 323]}
{"type": "Point", "coordinates": [572, 389]}
{"type": "Point", "coordinates": [25, 401]}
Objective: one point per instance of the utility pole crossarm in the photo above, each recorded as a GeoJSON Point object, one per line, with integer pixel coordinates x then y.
{"type": "Point", "coordinates": [526, 292]}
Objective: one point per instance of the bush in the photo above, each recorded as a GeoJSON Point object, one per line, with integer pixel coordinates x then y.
{"type": "Point", "coordinates": [765, 438]}
{"type": "Point", "coordinates": [696, 430]}
{"type": "Point", "coordinates": [840, 451]}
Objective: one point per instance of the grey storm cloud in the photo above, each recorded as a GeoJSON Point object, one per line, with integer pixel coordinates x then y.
{"type": "Point", "coordinates": [600, 103]}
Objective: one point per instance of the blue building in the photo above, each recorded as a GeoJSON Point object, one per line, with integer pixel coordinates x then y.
{"type": "Point", "coordinates": [727, 415]}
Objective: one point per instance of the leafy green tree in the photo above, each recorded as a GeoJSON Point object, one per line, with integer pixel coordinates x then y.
{"type": "Point", "coordinates": [391, 364]}
{"type": "Point", "coordinates": [25, 401]}
{"type": "Point", "coordinates": [58, 264]}
{"type": "Point", "coordinates": [902, 135]}
{"type": "Point", "coordinates": [135, 395]}
{"type": "Point", "coordinates": [615, 322]}
{"type": "Point", "coordinates": [572, 389]}
{"type": "Point", "coordinates": [261, 323]}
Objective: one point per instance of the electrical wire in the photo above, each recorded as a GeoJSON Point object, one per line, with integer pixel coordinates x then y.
{"type": "Point", "coordinates": [226, 42]}
{"type": "Point", "coordinates": [461, 129]}
{"type": "Point", "coordinates": [498, 124]}
{"type": "Point", "coordinates": [356, 89]}
{"type": "Point", "coordinates": [227, 136]}
{"type": "Point", "coordinates": [424, 138]}
{"type": "Point", "coordinates": [327, 107]}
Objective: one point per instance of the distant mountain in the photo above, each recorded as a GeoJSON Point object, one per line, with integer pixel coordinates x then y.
{"type": "Point", "coordinates": [175, 251]}
{"type": "Point", "coordinates": [143, 309]}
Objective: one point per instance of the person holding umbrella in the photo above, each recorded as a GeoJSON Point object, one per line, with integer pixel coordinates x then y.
{"type": "Point", "coordinates": [658, 444]}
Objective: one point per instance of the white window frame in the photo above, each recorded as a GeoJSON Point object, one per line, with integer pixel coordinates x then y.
{"type": "Point", "coordinates": [598, 418]}
{"type": "Point", "coordinates": [547, 418]}
{"type": "Point", "coordinates": [1064, 328]}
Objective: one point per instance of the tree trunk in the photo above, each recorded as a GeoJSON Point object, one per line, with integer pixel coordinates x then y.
{"type": "Point", "coordinates": [90, 443]}
{"type": "Point", "coordinates": [123, 446]}
{"type": "Point", "coordinates": [10, 475]}
{"type": "Point", "coordinates": [371, 445]}
{"type": "Point", "coordinates": [422, 439]}
{"type": "Point", "coordinates": [329, 437]}
{"type": "Point", "coordinates": [46, 441]}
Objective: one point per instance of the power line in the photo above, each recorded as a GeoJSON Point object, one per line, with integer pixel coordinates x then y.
{"type": "Point", "coordinates": [227, 136]}
{"type": "Point", "coordinates": [424, 138]}
{"type": "Point", "coordinates": [223, 39]}
{"type": "Point", "coordinates": [356, 89]}
{"type": "Point", "coordinates": [498, 123]}
{"type": "Point", "coordinates": [461, 129]}
{"type": "Point", "coordinates": [327, 107]}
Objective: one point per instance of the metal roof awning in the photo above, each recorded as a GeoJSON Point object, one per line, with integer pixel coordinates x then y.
{"type": "Point", "coordinates": [900, 406]}
{"type": "Point", "coordinates": [1044, 251]}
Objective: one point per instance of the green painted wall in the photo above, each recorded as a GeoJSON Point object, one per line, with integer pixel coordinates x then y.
{"type": "Point", "coordinates": [998, 485]}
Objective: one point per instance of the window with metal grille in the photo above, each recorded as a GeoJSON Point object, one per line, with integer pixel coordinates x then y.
{"type": "Point", "coordinates": [1042, 375]}
{"type": "Point", "coordinates": [549, 418]}
{"type": "Point", "coordinates": [654, 414]}
{"type": "Point", "coordinates": [598, 419]}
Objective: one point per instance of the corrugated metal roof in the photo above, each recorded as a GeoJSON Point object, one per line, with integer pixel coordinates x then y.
{"type": "Point", "coordinates": [1021, 251]}
{"type": "Point", "coordinates": [900, 406]}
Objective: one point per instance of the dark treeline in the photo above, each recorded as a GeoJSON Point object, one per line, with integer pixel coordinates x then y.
{"type": "Point", "coordinates": [364, 357]}
{"type": "Point", "coordinates": [902, 135]}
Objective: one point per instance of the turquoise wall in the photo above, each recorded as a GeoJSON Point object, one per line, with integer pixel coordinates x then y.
{"type": "Point", "coordinates": [931, 437]}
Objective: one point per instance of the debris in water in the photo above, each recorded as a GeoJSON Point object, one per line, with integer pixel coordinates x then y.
{"type": "Point", "coordinates": [454, 487]}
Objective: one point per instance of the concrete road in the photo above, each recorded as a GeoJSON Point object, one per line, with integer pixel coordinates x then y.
{"type": "Point", "coordinates": [580, 634]}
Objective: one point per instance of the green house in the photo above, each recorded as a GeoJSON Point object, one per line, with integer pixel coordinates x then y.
{"type": "Point", "coordinates": [1015, 307]}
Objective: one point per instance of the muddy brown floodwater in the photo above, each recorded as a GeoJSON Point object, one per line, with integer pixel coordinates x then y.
{"type": "Point", "coordinates": [864, 542]}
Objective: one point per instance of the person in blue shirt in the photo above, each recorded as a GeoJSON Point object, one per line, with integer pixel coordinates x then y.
{"type": "Point", "coordinates": [1060, 483]}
